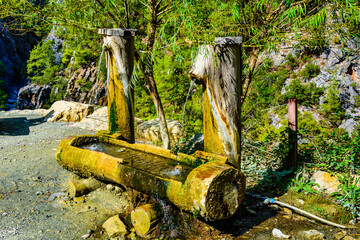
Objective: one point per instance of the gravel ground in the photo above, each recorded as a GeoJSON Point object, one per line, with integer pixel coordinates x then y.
{"type": "Point", "coordinates": [32, 183]}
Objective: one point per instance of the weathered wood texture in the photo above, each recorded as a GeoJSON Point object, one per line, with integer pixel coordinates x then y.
{"type": "Point", "coordinates": [120, 63]}
{"type": "Point", "coordinates": [145, 217]}
{"type": "Point", "coordinates": [219, 69]}
{"type": "Point", "coordinates": [80, 187]}
{"type": "Point", "coordinates": [214, 189]}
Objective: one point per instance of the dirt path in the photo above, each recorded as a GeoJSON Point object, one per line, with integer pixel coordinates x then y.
{"type": "Point", "coordinates": [31, 179]}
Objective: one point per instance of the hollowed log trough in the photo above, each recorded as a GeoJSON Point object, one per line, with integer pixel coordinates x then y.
{"type": "Point", "coordinates": [213, 189]}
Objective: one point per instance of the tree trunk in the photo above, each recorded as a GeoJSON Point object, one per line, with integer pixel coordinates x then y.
{"type": "Point", "coordinates": [149, 74]}
{"type": "Point", "coordinates": [219, 68]}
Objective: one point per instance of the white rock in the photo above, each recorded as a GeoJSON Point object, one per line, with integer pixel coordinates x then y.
{"type": "Point", "coordinates": [277, 233]}
{"type": "Point", "coordinates": [68, 111]}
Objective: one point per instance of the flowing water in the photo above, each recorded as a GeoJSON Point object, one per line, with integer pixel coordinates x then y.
{"type": "Point", "coordinates": [192, 83]}
{"type": "Point", "coordinates": [148, 162]}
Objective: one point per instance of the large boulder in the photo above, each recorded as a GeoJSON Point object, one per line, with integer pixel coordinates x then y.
{"type": "Point", "coordinates": [68, 111]}
{"type": "Point", "coordinates": [33, 96]}
{"type": "Point", "coordinates": [150, 130]}
{"type": "Point", "coordinates": [96, 121]}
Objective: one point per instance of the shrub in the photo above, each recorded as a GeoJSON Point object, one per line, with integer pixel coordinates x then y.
{"type": "Point", "coordinates": [305, 93]}
{"type": "Point", "coordinates": [310, 71]}
{"type": "Point", "coordinates": [291, 61]}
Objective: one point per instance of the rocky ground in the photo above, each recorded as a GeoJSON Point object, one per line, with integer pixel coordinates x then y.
{"type": "Point", "coordinates": [34, 205]}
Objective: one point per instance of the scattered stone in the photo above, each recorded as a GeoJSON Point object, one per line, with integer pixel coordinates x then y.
{"type": "Point", "coordinates": [277, 233]}
{"type": "Point", "coordinates": [339, 235]}
{"type": "Point", "coordinates": [56, 195]}
{"type": "Point", "coordinates": [288, 211]}
{"type": "Point", "coordinates": [300, 201]}
{"type": "Point", "coordinates": [310, 235]}
{"type": "Point", "coordinates": [114, 227]}
{"type": "Point", "coordinates": [353, 221]}
{"type": "Point", "coordinates": [110, 187]}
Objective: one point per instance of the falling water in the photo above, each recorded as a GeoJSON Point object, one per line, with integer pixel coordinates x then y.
{"type": "Point", "coordinates": [98, 74]}
{"type": "Point", "coordinates": [192, 83]}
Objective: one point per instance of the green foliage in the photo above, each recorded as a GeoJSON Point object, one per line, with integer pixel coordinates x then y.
{"type": "Point", "coordinates": [331, 108]}
{"type": "Point", "coordinates": [40, 66]}
{"type": "Point", "coordinates": [291, 61]}
{"type": "Point", "coordinates": [310, 71]}
{"type": "Point", "coordinates": [3, 96]}
{"type": "Point", "coordinates": [349, 194]}
{"type": "Point", "coordinates": [301, 183]}
{"type": "Point", "coordinates": [58, 90]}
{"type": "Point", "coordinates": [305, 93]}
{"type": "Point", "coordinates": [313, 44]}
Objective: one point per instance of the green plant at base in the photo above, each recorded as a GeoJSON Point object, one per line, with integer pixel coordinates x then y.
{"type": "Point", "coordinates": [291, 61]}
{"type": "Point", "coordinates": [349, 194]}
{"type": "Point", "coordinates": [303, 184]}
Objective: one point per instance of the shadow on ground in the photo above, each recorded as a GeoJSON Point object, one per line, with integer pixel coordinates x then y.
{"type": "Point", "coordinates": [18, 126]}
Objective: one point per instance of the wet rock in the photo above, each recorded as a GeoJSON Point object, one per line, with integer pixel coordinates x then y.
{"type": "Point", "coordinates": [326, 181]}
{"type": "Point", "coordinates": [310, 235]}
{"type": "Point", "coordinates": [150, 130]}
{"type": "Point", "coordinates": [114, 227]}
{"type": "Point", "coordinates": [33, 96]}
{"type": "Point", "coordinates": [68, 111]}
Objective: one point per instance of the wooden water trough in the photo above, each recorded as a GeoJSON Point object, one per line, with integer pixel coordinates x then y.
{"type": "Point", "coordinates": [213, 189]}
{"type": "Point", "coordinates": [207, 183]}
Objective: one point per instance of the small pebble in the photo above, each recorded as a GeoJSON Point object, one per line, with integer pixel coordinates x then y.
{"type": "Point", "coordinates": [353, 221]}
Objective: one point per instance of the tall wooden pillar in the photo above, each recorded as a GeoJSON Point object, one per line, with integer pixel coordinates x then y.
{"type": "Point", "coordinates": [219, 69]}
{"type": "Point", "coordinates": [292, 118]}
{"type": "Point", "coordinates": [119, 46]}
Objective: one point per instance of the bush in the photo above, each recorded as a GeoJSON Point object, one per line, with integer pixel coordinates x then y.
{"type": "Point", "coordinates": [305, 93]}
{"type": "Point", "coordinates": [331, 108]}
{"type": "Point", "coordinates": [310, 71]}
{"type": "Point", "coordinates": [291, 61]}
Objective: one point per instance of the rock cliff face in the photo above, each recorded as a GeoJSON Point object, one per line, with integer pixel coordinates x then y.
{"type": "Point", "coordinates": [14, 52]}
{"type": "Point", "coordinates": [33, 96]}
{"type": "Point", "coordinates": [339, 68]}
{"type": "Point", "coordinates": [94, 93]}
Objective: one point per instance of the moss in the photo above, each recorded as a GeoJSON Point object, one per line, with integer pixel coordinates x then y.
{"type": "Point", "coordinates": [112, 117]}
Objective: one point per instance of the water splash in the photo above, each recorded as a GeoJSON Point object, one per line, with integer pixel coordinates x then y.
{"type": "Point", "coordinates": [192, 83]}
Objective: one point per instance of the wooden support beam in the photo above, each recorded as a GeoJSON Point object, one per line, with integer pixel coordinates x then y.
{"type": "Point", "coordinates": [219, 69]}
{"type": "Point", "coordinates": [292, 118]}
{"type": "Point", "coordinates": [119, 46]}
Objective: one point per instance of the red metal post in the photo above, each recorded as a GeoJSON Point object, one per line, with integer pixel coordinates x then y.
{"type": "Point", "coordinates": [292, 116]}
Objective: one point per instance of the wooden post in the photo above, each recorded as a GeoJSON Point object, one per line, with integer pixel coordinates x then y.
{"type": "Point", "coordinates": [219, 69]}
{"type": "Point", "coordinates": [292, 116]}
{"type": "Point", "coordinates": [119, 46]}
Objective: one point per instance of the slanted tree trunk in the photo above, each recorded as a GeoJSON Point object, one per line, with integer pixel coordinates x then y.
{"type": "Point", "coordinates": [147, 69]}
{"type": "Point", "coordinates": [219, 68]}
